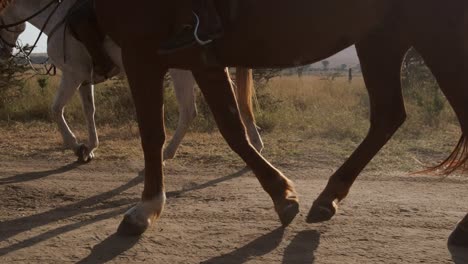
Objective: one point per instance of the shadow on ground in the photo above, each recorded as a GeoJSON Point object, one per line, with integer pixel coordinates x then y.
{"type": "Point", "coordinates": [11, 228]}
{"type": "Point", "coordinates": [301, 250]}
{"type": "Point", "coordinates": [110, 248]}
{"type": "Point", "coordinates": [31, 176]}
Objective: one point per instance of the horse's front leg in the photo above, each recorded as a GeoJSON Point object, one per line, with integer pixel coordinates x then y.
{"type": "Point", "coordinates": [146, 83]}
{"type": "Point", "coordinates": [216, 87]}
{"type": "Point", "coordinates": [86, 152]}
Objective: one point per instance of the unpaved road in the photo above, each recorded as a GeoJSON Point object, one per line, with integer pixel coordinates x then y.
{"type": "Point", "coordinates": [57, 212]}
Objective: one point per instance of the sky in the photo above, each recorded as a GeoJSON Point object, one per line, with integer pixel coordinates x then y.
{"type": "Point", "coordinates": [30, 35]}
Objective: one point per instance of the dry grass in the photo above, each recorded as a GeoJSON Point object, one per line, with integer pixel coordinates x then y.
{"type": "Point", "coordinates": [302, 120]}
{"type": "Point", "coordinates": [316, 107]}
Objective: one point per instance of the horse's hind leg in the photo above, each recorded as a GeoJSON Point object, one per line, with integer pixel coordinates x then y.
{"type": "Point", "coordinates": [216, 87]}
{"type": "Point", "coordinates": [86, 152]}
{"type": "Point", "coordinates": [458, 242]}
{"type": "Point", "coordinates": [381, 56]}
{"type": "Point", "coordinates": [185, 95]}
{"type": "Point", "coordinates": [67, 88]}
{"type": "Point", "coordinates": [446, 55]}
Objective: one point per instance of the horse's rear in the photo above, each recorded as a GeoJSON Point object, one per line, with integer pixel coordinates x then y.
{"type": "Point", "coordinates": [439, 32]}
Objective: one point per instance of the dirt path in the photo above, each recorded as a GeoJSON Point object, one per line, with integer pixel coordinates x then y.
{"type": "Point", "coordinates": [52, 212]}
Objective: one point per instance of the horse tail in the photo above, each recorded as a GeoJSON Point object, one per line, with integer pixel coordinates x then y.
{"type": "Point", "coordinates": [456, 161]}
{"type": "Point", "coordinates": [245, 92]}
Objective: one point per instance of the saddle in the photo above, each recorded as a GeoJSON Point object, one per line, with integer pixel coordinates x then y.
{"type": "Point", "coordinates": [82, 21]}
{"type": "Point", "coordinates": [83, 11]}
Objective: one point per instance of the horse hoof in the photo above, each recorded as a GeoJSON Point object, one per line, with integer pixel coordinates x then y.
{"type": "Point", "coordinates": [288, 212]}
{"type": "Point", "coordinates": [458, 245]}
{"type": "Point", "coordinates": [168, 155]}
{"type": "Point", "coordinates": [321, 212]}
{"type": "Point", "coordinates": [287, 207]}
{"type": "Point", "coordinates": [84, 156]}
{"type": "Point", "coordinates": [130, 226]}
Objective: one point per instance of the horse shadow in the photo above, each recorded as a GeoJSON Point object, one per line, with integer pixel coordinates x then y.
{"type": "Point", "coordinates": [11, 228]}
{"type": "Point", "coordinates": [31, 176]}
{"type": "Point", "coordinates": [301, 250]}
{"type": "Point", "coordinates": [108, 249]}
{"type": "Point", "coordinates": [208, 183]}
{"type": "Point", "coordinates": [256, 248]}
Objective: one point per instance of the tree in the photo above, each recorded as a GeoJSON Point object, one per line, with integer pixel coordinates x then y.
{"type": "Point", "coordinates": [325, 65]}
{"type": "Point", "coordinates": [414, 69]}
{"type": "Point", "coordinates": [263, 76]}
{"type": "Point", "coordinates": [11, 82]}
{"type": "Point", "coordinates": [300, 70]}
{"type": "Point", "coordinates": [420, 86]}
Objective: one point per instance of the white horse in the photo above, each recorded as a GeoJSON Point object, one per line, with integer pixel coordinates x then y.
{"type": "Point", "coordinates": [71, 57]}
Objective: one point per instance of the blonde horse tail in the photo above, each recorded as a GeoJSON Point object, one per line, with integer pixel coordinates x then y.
{"type": "Point", "coordinates": [245, 92]}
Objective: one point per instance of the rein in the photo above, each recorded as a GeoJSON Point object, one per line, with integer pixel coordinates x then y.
{"type": "Point", "coordinates": [28, 53]}
{"type": "Point", "coordinates": [6, 26]}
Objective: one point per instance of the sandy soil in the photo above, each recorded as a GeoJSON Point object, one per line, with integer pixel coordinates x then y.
{"type": "Point", "coordinates": [54, 211]}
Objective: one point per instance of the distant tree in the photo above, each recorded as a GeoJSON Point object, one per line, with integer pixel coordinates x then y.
{"type": "Point", "coordinates": [263, 76]}
{"type": "Point", "coordinates": [300, 70]}
{"type": "Point", "coordinates": [350, 75]}
{"type": "Point", "coordinates": [11, 81]}
{"type": "Point", "coordinates": [43, 82]}
{"type": "Point", "coordinates": [325, 65]}
{"type": "Point", "coordinates": [420, 86]}
{"type": "Point", "coordinates": [343, 67]}
{"type": "Point", "coordinates": [414, 69]}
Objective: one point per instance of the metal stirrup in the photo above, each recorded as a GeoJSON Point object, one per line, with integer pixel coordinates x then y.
{"type": "Point", "coordinates": [195, 33]}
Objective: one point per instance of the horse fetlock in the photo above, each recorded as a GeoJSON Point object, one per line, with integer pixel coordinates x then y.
{"type": "Point", "coordinates": [137, 220]}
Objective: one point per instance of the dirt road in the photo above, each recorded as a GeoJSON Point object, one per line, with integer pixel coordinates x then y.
{"type": "Point", "coordinates": [55, 212]}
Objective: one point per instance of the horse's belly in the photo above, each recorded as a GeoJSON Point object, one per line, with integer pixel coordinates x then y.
{"type": "Point", "coordinates": [295, 32]}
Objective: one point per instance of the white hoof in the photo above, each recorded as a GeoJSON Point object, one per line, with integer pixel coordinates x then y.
{"type": "Point", "coordinates": [143, 215]}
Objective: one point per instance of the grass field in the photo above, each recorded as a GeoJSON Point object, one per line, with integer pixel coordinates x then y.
{"type": "Point", "coordinates": [293, 114]}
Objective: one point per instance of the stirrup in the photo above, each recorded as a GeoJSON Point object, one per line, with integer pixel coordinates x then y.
{"type": "Point", "coordinates": [195, 32]}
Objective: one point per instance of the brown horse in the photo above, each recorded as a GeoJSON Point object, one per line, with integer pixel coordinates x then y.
{"type": "Point", "coordinates": [278, 33]}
